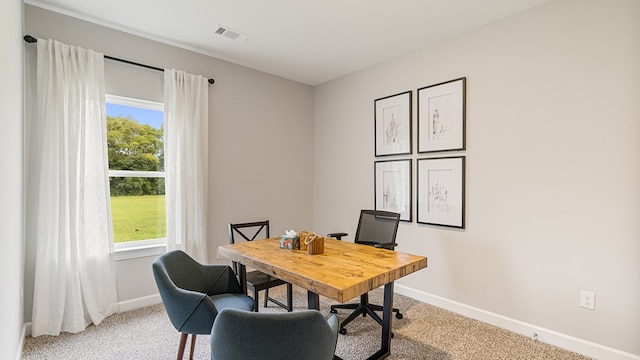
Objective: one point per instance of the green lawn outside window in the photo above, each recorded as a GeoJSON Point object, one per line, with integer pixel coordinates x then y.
{"type": "Point", "coordinates": [138, 217]}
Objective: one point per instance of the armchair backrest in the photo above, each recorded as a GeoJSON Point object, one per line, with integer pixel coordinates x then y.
{"type": "Point", "coordinates": [185, 286]}
{"type": "Point", "coordinates": [176, 268]}
{"type": "Point", "coordinates": [377, 227]}
{"type": "Point", "coordinates": [299, 335]}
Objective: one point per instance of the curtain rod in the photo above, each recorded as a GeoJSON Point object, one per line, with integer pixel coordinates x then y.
{"type": "Point", "coordinates": [30, 39]}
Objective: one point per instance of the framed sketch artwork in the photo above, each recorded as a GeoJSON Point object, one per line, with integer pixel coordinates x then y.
{"type": "Point", "coordinates": [441, 116]}
{"type": "Point", "coordinates": [392, 128]}
{"type": "Point", "coordinates": [440, 195]}
{"type": "Point", "coordinates": [393, 187]}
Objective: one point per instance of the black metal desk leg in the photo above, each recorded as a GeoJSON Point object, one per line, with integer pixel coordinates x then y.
{"type": "Point", "coordinates": [387, 312]}
{"type": "Point", "coordinates": [385, 346]}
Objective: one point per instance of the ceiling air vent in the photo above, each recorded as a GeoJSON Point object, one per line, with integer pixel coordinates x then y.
{"type": "Point", "coordinates": [231, 34]}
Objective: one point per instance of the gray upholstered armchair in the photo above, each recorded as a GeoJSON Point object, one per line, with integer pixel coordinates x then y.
{"type": "Point", "coordinates": [193, 294]}
{"type": "Point", "coordinates": [300, 335]}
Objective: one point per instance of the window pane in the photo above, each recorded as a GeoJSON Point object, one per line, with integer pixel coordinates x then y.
{"type": "Point", "coordinates": [138, 217]}
{"type": "Point", "coordinates": [135, 137]}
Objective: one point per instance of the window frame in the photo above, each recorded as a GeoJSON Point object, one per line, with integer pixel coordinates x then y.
{"type": "Point", "coordinates": [145, 247]}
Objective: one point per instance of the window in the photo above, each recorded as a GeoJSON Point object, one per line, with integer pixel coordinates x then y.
{"type": "Point", "coordinates": [135, 139]}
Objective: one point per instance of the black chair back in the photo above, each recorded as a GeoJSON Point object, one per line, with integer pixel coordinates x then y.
{"type": "Point", "coordinates": [377, 227]}
{"type": "Point", "coordinates": [248, 232]}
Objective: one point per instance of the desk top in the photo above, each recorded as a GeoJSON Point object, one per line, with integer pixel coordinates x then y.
{"type": "Point", "coordinates": [344, 271]}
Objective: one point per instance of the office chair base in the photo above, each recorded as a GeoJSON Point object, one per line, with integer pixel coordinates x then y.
{"type": "Point", "coordinates": [364, 308]}
{"type": "Point", "coordinates": [343, 331]}
{"type": "Point", "coordinates": [379, 308]}
{"type": "Point", "coordinates": [333, 310]}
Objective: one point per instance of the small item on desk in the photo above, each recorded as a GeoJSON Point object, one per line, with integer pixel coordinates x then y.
{"type": "Point", "coordinates": [303, 236]}
{"type": "Point", "coordinates": [291, 240]}
{"type": "Point", "coordinates": [315, 244]}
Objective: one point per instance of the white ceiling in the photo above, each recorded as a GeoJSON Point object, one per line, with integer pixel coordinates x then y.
{"type": "Point", "coordinates": [303, 40]}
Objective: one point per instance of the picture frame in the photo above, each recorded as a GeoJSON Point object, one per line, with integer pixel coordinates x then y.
{"type": "Point", "coordinates": [393, 187]}
{"type": "Point", "coordinates": [392, 124]}
{"type": "Point", "coordinates": [441, 191]}
{"type": "Point", "coordinates": [442, 116]}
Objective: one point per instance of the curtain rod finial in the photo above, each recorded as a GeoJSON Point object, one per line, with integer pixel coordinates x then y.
{"type": "Point", "coordinates": [30, 39]}
{"type": "Point", "coordinates": [211, 81]}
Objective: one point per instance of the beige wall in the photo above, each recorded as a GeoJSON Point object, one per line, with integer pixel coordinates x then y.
{"type": "Point", "coordinates": [11, 188]}
{"type": "Point", "coordinates": [260, 129]}
{"type": "Point", "coordinates": [553, 163]}
{"type": "Point", "coordinates": [553, 170]}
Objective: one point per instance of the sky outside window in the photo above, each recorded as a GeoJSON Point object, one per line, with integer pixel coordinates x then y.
{"type": "Point", "coordinates": [153, 118]}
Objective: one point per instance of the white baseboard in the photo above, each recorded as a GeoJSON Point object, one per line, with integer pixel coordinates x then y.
{"type": "Point", "coordinates": [551, 337]}
{"type": "Point", "coordinates": [139, 303]}
{"type": "Point", "coordinates": [23, 334]}
{"type": "Point", "coordinates": [122, 307]}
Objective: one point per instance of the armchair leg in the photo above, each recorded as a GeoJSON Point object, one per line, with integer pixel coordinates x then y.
{"type": "Point", "coordinates": [183, 342]}
{"type": "Point", "coordinates": [193, 346]}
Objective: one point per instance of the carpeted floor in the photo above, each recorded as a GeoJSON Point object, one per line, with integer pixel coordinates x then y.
{"type": "Point", "coordinates": [426, 332]}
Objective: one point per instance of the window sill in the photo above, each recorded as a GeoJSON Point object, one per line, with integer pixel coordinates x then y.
{"type": "Point", "coordinates": [135, 252]}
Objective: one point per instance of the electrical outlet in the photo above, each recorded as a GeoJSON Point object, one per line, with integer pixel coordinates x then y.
{"type": "Point", "coordinates": [587, 299]}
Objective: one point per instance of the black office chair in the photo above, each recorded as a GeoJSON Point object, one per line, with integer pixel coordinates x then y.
{"type": "Point", "coordinates": [375, 228]}
{"type": "Point", "coordinates": [257, 280]}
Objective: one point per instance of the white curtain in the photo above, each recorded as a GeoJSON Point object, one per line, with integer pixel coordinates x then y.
{"type": "Point", "coordinates": [75, 264]}
{"type": "Point", "coordinates": [186, 142]}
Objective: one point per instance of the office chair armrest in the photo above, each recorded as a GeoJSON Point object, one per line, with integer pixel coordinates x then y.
{"type": "Point", "coordinates": [180, 303]}
{"type": "Point", "coordinates": [337, 235]}
{"type": "Point", "coordinates": [389, 246]}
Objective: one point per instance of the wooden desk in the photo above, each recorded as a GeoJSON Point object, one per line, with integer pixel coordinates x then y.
{"type": "Point", "coordinates": [345, 271]}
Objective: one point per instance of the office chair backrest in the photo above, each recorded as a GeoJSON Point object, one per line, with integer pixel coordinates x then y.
{"type": "Point", "coordinates": [378, 227]}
